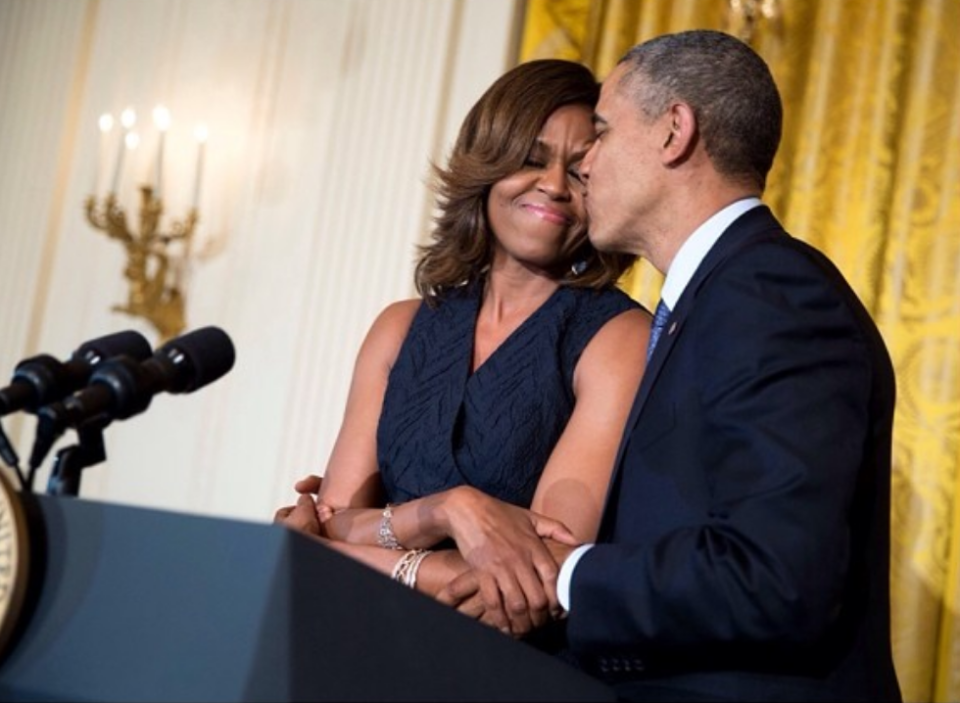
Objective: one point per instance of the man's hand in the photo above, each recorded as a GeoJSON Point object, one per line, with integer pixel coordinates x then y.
{"type": "Point", "coordinates": [559, 550]}
{"type": "Point", "coordinates": [464, 594]}
{"type": "Point", "coordinates": [513, 573]}
{"type": "Point", "coordinates": [511, 584]}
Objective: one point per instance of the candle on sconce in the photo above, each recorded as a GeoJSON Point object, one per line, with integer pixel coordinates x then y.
{"type": "Point", "coordinates": [105, 125]}
{"type": "Point", "coordinates": [128, 118]}
{"type": "Point", "coordinates": [200, 133]}
{"type": "Point", "coordinates": [161, 119]}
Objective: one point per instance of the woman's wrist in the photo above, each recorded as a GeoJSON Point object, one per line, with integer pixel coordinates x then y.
{"type": "Point", "coordinates": [437, 569]}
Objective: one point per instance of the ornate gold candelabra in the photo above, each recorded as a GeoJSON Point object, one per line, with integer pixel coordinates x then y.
{"type": "Point", "coordinates": [154, 267]}
{"type": "Point", "coordinates": [156, 260]}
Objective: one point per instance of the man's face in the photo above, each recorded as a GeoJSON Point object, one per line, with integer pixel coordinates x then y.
{"type": "Point", "coordinates": [623, 170]}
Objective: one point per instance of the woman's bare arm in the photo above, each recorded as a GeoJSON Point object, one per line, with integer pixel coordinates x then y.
{"type": "Point", "coordinates": [571, 490]}
{"type": "Point", "coordinates": [575, 480]}
{"type": "Point", "coordinates": [352, 478]}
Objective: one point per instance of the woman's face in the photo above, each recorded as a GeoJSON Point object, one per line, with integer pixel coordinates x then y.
{"type": "Point", "coordinates": [535, 212]}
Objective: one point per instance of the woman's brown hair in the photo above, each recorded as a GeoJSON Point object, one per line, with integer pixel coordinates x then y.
{"type": "Point", "coordinates": [494, 142]}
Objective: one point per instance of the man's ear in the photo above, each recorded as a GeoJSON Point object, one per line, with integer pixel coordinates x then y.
{"type": "Point", "coordinates": [681, 124]}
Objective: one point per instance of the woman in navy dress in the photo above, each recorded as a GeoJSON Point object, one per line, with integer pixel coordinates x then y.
{"type": "Point", "coordinates": [506, 383]}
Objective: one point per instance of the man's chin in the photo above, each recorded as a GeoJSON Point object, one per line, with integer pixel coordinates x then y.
{"type": "Point", "coordinates": [600, 240]}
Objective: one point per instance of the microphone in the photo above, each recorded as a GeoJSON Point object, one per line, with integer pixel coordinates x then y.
{"type": "Point", "coordinates": [43, 379]}
{"type": "Point", "coordinates": [122, 387]}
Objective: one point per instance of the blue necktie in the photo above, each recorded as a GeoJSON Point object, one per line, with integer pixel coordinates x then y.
{"type": "Point", "coordinates": [660, 318]}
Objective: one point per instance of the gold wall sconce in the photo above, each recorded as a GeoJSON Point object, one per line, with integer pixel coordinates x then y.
{"type": "Point", "coordinates": [156, 259]}
{"type": "Point", "coordinates": [745, 16]}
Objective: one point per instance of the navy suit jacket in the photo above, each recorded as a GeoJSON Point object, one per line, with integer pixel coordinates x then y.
{"type": "Point", "coordinates": [744, 548]}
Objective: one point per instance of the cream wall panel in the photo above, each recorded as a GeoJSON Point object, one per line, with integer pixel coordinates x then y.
{"type": "Point", "coordinates": [38, 44]}
{"type": "Point", "coordinates": [323, 117]}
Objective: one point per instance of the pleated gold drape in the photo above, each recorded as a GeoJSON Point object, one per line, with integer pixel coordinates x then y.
{"type": "Point", "coordinates": [869, 172]}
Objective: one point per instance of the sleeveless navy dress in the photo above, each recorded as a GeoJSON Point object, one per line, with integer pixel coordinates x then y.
{"type": "Point", "coordinates": [442, 426]}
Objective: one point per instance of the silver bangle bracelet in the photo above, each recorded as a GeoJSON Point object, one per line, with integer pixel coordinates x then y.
{"type": "Point", "coordinates": [408, 566]}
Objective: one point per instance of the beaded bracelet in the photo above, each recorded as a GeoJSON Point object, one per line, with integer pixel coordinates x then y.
{"type": "Point", "coordinates": [385, 535]}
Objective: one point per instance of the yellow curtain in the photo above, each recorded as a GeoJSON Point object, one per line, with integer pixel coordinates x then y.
{"type": "Point", "coordinates": [869, 172]}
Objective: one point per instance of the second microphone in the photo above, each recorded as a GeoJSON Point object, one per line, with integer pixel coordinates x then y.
{"type": "Point", "coordinates": [123, 387]}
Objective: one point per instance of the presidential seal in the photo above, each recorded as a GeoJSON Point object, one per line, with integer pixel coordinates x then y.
{"type": "Point", "coordinates": [14, 561]}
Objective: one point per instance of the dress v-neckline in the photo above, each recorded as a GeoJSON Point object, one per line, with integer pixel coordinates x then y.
{"type": "Point", "coordinates": [506, 340]}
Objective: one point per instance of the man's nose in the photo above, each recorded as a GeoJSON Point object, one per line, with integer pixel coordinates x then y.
{"type": "Point", "coordinates": [587, 163]}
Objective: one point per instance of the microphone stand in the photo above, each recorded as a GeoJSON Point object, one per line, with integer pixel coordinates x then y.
{"type": "Point", "coordinates": [70, 461]}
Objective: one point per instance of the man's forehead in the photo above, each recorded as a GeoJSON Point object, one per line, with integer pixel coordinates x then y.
{"type": "Point", "coordinates": [610, 91]}
{"type": "Point", "coordinates": [614, 81]}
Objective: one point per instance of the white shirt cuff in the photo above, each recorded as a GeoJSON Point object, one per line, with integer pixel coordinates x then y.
{"type": "Point", "coordinates": [565, 578]}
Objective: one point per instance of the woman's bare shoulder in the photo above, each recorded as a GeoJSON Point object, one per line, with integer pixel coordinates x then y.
{"type": "Point", "coordinates": [388, 331]}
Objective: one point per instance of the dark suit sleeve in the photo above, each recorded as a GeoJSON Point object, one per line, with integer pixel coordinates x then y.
{"type": "Point", "coordinates": [737, 525]}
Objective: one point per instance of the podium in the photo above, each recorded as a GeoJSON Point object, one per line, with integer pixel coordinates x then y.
{"type": "Point", "coordinates": [131, 604]}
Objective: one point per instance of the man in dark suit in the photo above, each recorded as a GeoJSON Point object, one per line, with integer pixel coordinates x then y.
{"type": "Point", "coordinates": [744, 548]}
